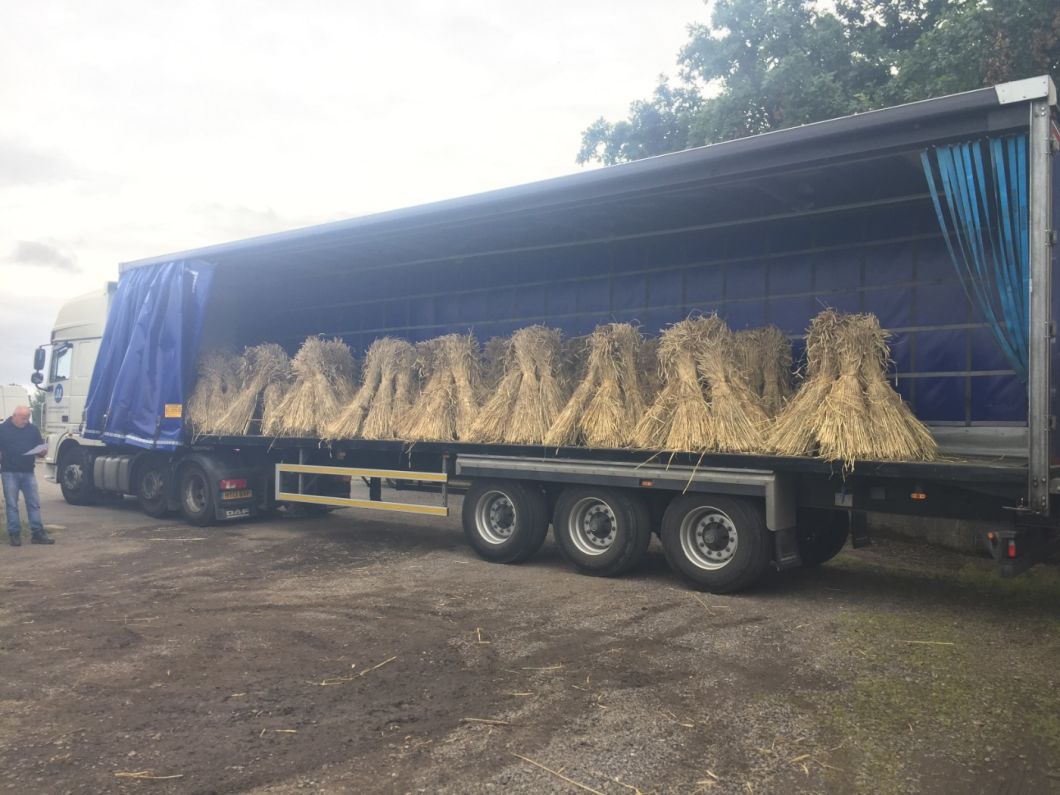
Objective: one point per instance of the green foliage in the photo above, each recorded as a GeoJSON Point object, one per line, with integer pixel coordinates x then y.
{"type": "Point", "coordinates": [36, 405]}
{"type": "Point", "coordinates": [654, 127]}
{"type": "Point", "coordinates": [767, 64]}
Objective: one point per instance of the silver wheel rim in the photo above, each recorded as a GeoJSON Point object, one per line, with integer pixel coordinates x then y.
{"type": "Point", "coordinates": [495, 517]}
{"type": "Point", "coordinates": [708, 538]}
{"type": "Point", "coordinates": [72, 476]}
{"type": "Point", "coordinates": [151, 486]}
{"type": "Point", "coordinates": [591, 526]}
{"type": "Point", "coordinates": [195, 494]}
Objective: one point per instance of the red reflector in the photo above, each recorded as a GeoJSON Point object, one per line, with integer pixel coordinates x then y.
{"type": "Point", "coordinates": [235, 483]}
{"type": "Point", "coordinates": [647, 483]}
{"type": "Point", "coordinates": [1012, 549]}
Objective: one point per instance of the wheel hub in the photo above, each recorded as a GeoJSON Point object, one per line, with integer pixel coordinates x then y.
{"type": "Point", "coordinates": [72, 476]}
{"type": "Point", "coordinates": [599, 523]}
{"type": "Point", "coordinates": [708, 538]}
{"type": "Point", "coordinates": [501, 515]}
{"type": "Point", "coordinates": [495, 517]}
{"type": "Point", "coordinates": [592, 526]}
{"type": "Point", "coordinates": [152, 486]}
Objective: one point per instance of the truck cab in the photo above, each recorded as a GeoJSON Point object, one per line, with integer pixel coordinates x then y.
{"type": "Point", "coordinates": [74, 344]}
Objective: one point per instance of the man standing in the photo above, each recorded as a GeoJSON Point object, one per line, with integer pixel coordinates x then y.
{"type": "Point", "coordinates": [17, 438]}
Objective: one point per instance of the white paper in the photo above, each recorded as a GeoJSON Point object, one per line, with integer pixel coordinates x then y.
{"type": "Point", "coordinates": [40, 448]}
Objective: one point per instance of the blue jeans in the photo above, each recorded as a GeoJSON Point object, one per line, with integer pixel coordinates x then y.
{"type": "Point", "coordinates": [26, 482]}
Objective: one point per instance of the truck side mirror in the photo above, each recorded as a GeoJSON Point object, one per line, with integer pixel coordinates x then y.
{"type": "Point", "coordinates": [38, 361]}
{"type": "Point", "coordinates": [37, 378]}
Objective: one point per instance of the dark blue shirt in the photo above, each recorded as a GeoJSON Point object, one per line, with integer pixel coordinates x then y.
{"type": "Point", "coordinates": [14, 442]}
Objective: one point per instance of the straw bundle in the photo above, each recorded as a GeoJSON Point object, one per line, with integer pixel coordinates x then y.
{"type": "Point", "coordinates": [385, 394]}
{"type": "Point", "coordinates": [680, 417]}
{"type": "Point", "coordinates": [845, 430]}
{"type": "Point", "coordinates": [796, 430]}
{"type": "Point", "coordinates": [739, 421]}
{"type": "Point", "coordinates": [324, 371]}
{"type": "Point", "coordinates": [846, 409]}
{"type": "Point", "coordinates": [609, 401]}
{"type": "Point", "coordinates": [900, 435]}
{"type": "Point", "coordinates": [218, 379]}
{"type": "Point", "coordinates": [451, 367]}
{"type": "Point", "coordinates": [397, 392]}
{"type": "Point", "coordinates": [494, 361]}
{"type": "Point", "coordinates": [260, 368]}
{"type": "Point", "coordinates": [531, 393]}
{"type": "Point", "coordinates": [764, 358]}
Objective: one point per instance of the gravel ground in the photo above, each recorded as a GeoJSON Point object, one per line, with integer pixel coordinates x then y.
{"type": "Point", "coordinates": [350, 653]}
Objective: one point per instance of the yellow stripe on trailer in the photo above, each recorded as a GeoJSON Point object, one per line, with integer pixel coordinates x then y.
{"type": "Point", "coordinates": [392, 474]}
{"type": "Point", "coordinates": [347, 502]}
{"type": "Point", "coordinates": [359, 472]}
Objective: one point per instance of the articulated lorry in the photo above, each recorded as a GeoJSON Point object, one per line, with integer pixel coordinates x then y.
{"type": "Point", "coordinates": [936, 216]}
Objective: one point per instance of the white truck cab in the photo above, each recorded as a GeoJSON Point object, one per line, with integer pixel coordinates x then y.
{"type": "Point", "coordinates": [75, 341]}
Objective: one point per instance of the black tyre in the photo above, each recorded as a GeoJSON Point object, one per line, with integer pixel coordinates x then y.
{"type": "Point", "coordinates": [721, 544]}
{"type": "Point", "coordinates": [504, 521]}
{"type": "Point", "coordinates": [74, 473]}
{"type": "Point", "coordinates": [821, 535]}
{"type": "Point", "coordinates": [603, 532]}
{"type": "Point", "coordinates": [151, 488]}
{"type": "Point", "coordinates": [196, 496]}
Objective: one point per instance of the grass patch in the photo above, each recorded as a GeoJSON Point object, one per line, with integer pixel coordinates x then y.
{"type": "Point", "coordinates": [926, 685]}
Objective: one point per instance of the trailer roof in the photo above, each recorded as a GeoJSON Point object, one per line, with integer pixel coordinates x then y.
{"type": "Point", "coordinates": [874, 134]}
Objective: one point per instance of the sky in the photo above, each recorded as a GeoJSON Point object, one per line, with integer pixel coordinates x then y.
{"type": "Point", "coordinates": [134, 129]}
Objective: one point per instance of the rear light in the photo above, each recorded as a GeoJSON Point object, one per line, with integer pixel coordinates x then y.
{"type": "Point", "coordinates": [1012, 549]}
{"type": "Point", "coordinates": [235, 483]}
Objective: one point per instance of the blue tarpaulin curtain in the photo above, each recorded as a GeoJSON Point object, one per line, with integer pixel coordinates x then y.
{"type": "Point", "coordinates": [147, 358]}
{"type": "Point", "coordinates": [980, 193]}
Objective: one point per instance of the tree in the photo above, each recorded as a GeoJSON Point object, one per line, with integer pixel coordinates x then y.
{"type": "Point", "coordinates": [764, 65]}
{"type": "Point", "coordinates": [36, 406]}
{"type": "Point", "coordinates": [654, 127]}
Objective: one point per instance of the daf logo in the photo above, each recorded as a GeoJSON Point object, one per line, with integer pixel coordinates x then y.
{"type": "Point", "coordinates": [58, 393]}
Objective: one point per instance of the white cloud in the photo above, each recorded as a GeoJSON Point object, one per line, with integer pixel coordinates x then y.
{"type": "Point", "coordinates": [135, 129]}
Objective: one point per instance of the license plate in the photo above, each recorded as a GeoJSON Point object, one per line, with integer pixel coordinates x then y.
{"type": "Point", "coordinates": [237, 494]}
{"type": "Point", "coordinates": [236, 513]}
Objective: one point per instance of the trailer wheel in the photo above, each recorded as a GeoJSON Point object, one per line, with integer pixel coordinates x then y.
{"type": "Point", "coordinates": [719, 543]}
{"type": "Point", "coordinates": [75, 476]}
{"type": "Point", "coordinates": [504, 521]}
{"type": "Point", "coordinates": [196, 496]}
{"type": "Point", "coordinates": [151, 489]}
{"type": "Point", "coordinates": [603, 532]}
{"type": "Point", "coordinates": [821, 535]}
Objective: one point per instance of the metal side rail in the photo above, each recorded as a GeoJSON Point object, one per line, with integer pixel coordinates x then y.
{"type": "Point", "coordinates": [777, 489]}
{"type": "Point", "coordinates": [372, 479]}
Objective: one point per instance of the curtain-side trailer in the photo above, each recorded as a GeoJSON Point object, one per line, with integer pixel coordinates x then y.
{"type": "Point", "coordinates": [877, 212]}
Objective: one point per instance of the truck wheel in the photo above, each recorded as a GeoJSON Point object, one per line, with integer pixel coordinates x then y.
{"type": "Point", "coordinates": [719, 543]}
{"type": "Point", "coordinates": [821, 535]}
{"type": "Point", "coordinates": [603, 532]}
{"type": "Point", "coordinates": [151, 489]}
{"type": "Point", "coordinates": [504, 521]}
{"type": "Point", "coordinates": [196, 496]}
{"type": "Point", "coordinates": [75, 476]}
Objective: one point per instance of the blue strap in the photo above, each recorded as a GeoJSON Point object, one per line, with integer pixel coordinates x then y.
{"type": "Point", "coordinates": [979, 192]}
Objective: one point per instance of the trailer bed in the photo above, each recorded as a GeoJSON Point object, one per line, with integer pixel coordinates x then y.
{"type": "Point", "coordinates": [982, 469]}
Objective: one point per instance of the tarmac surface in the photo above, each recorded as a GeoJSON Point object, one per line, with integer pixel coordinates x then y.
{"type": "Point", "coordinates": [359, 653]}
